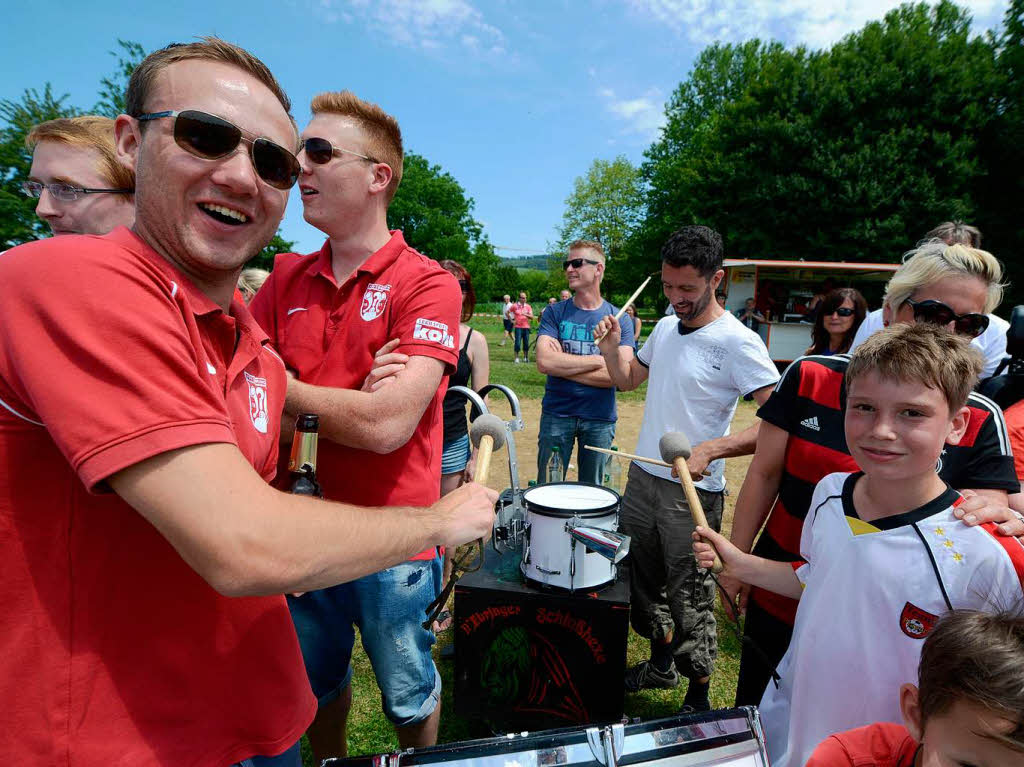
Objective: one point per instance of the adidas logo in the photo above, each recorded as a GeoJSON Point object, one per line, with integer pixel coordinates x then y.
{"type": "Point", "coordinates": [811, 423]}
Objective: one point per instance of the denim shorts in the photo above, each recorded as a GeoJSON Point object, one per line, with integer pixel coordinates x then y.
{"type": "Point", "coordinates": [455, 455]}
{"type": "Point", "coordinates": [388, 607]}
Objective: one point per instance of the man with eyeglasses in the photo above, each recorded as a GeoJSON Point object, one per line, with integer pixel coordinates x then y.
{"type": "Point", "coordinates": [75, 175]}
{"type": "Point", "coordinates": [327, 313]}
{"type": "Point", "coordinates": [801, 441]}
{"type": "Point", "coordinates": [143, 554]}
{"type": "Point", "coordinates": [579, 397]}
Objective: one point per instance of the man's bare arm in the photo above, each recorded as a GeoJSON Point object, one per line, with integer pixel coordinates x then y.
{"type": "Point", "coordinates": [729, 446]}
{"type": "Point", "coordinates": [552, 361]}
{"type": "Point", "coordinates": [380, 421]}
{"type": "Point", "coordinates": [625, 371]}
{"type": "Point", "coordinates": [245, 538]}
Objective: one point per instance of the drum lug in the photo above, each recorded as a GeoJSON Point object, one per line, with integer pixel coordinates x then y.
{"type": "Point", "coordinates": [606, 743]}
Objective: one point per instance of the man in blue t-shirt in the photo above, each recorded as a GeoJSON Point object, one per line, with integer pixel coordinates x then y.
{"type": "Point", "coordinates": [579, 398]}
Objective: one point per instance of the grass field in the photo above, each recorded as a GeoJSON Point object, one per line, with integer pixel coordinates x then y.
{"type": "Point", "coordinates": [369, 732]}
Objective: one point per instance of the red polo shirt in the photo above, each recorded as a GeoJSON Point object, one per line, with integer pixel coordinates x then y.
{"type": "Point", "coordinates": [329, 334]}
{"type": "Point", "coordinates": [113, 650]}
{"type": "Point", "coordinates": [878, 745]}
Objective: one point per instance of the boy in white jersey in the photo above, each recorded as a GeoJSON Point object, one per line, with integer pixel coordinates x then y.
{"type": "Point", "coordinates": [884, 555]}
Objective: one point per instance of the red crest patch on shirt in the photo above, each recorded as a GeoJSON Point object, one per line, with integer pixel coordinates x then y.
{"type": "Point", "coordinates": [915, 622]}
{"type": "Point", "coordinates": [374, 300]}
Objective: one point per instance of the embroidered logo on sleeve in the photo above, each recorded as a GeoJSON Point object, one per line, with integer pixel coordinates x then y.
{"type": "Point", "coordinates": [915, 622]}
{"type": "Point", "coordinates": [433, 331]}
{"type": "Point", "coordinates": [258, 402]}
{"type": "Point", "coordinates": [374, 300]}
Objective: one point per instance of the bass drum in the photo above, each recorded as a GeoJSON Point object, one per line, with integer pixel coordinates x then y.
{"type": "Point", "coordinates": [551, 557]}
{"type": "Point", "coordinates": [724, 738]}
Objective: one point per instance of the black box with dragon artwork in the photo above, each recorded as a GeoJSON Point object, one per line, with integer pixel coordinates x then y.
{"type": "Point", "coordinates": [529, 658]}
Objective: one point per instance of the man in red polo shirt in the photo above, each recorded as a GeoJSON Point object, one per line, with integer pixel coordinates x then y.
{"type": "Point", "coordinates": [327, 313]}
{"type": "Point", "coordinates": [141, 547]}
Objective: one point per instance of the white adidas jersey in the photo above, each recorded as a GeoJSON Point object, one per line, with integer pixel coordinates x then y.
{"type": "Point", "coordinates": [872, 593]}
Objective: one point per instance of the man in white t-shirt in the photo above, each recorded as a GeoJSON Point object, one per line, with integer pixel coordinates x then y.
{"type": "Point", "coordinates": [698, 363]}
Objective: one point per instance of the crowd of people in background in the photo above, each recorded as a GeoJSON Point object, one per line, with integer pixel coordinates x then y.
{"type": "Point", "coordinates": [149, 546]}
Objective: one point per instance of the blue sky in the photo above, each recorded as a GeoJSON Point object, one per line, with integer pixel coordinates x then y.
{"type": "Point", "coordinates": [515, 99]}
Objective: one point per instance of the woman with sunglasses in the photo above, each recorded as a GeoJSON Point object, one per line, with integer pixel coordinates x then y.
{"type": "Point", "coordinates": [948, 284]}
{"type": "Point", "coordinates": [801, 440]}
{"type": "Point", "coordinates": [838, 316]}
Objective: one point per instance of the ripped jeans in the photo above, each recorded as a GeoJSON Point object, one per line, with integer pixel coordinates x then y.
{"type": "Point", "coordinates": [388, 607]}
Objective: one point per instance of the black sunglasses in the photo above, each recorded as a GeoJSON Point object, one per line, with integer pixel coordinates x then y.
{"type": "Point", "coordinates": [842, 311]}
{"type": "Point", "coordinates": [320, 151]}
{"type": "Point", "coordinates": [210, 138]}
{"type": "Point", "coordinates": [937, 313]}
{"type": "Point", "coordinates": [577, 263]}
{"type": "Point", "coordinates": [464, 285]}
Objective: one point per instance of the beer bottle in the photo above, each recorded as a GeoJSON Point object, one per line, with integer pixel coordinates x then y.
{"type": "Point", "coordinates": [302, 463]}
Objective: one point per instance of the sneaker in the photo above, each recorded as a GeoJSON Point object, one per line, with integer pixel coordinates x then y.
{"type": "Point", "coordinates": [517, 360]}
{"type": "Point", "coordinates": [644, 676]}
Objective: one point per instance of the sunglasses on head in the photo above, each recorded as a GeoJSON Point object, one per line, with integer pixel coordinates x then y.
{"type": "Point", "coordinates": [842, 311]}
{"type": "Point", "coordinates": [937, 313]}
{"type": "Point", "coordinates": [577, 263]}
{"type": "Point", "coordinates": [320, 151]}
{"type": "Point", "coordinates": [211, 138]}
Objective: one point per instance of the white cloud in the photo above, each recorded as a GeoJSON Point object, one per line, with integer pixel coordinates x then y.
{"type": "Point", "coordinates": [643, 115]}
{"type": "Point", "coordinates": [426, 24]}
{"type": "Point", "coordinates": [816, 23]}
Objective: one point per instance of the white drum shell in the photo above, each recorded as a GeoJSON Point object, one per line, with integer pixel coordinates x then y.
{"type": "Point", "coordinates": [550, 556]}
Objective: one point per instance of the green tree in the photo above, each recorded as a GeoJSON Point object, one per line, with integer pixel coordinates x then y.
{"type": "Point", "coordinates": [113, 88]}
{"type": "Point", "coordinates": [18, 222]}
{"type": "Point", "coordinates": [605, 205]}
{"type": "Point", "coordinates": [845, 154]}
{"type": "Point", "coordinates": [436, 217]}
{"type": "Point", "coordinates": [433, 212]}
{"type": "Point", "coordinates": [1000, 188]}
{"type": "Point", "coordinates": [265, 258]}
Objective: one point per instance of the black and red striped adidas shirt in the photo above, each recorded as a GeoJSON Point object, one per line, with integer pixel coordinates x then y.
{"type": "Point", "coordinates": [808, 404]}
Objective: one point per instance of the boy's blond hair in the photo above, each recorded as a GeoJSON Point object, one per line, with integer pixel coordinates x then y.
{"type": "Point", "coordinates": [920, 353]}
{"type": "Point", "coordinates": [975, 657]}
{"type": "Point", "coordinates": [87, 132]}
{"type": "Point", "coordinates": [383, 136]}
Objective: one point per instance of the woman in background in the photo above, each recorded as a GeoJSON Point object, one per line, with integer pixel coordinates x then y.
{"type": "Point", "coordinates": [637, 324]}
{"type": "Point", "coordinates": [838, 317]}
{"type": "Point", "coordinates": [473, 370]}
{"type": "Point", "coordinates": [250, 281]}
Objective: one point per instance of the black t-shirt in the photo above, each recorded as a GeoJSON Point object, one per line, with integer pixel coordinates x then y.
{"type": "Point", "coordinates": [454, 405]}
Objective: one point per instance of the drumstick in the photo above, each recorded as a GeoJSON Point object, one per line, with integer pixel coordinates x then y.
{"type": "Point", "coordinates": [675, 446]}
{"type": "Point", "coordinates": [487, 435]}
{"type": "Point", "coordinates": [631, 299]}
{"type": "Point", "coordinates": [630, 456]}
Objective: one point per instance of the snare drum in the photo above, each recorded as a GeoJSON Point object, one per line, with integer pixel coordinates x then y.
{"type": "Point", "coordinates": [551, 557]}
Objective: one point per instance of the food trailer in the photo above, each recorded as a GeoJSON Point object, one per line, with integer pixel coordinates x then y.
{"type": "Point", "coordinates": [782, 291]}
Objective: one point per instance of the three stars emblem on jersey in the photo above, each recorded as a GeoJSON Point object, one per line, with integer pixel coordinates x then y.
{"type": "Point", "coordinates": [915, 622]}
